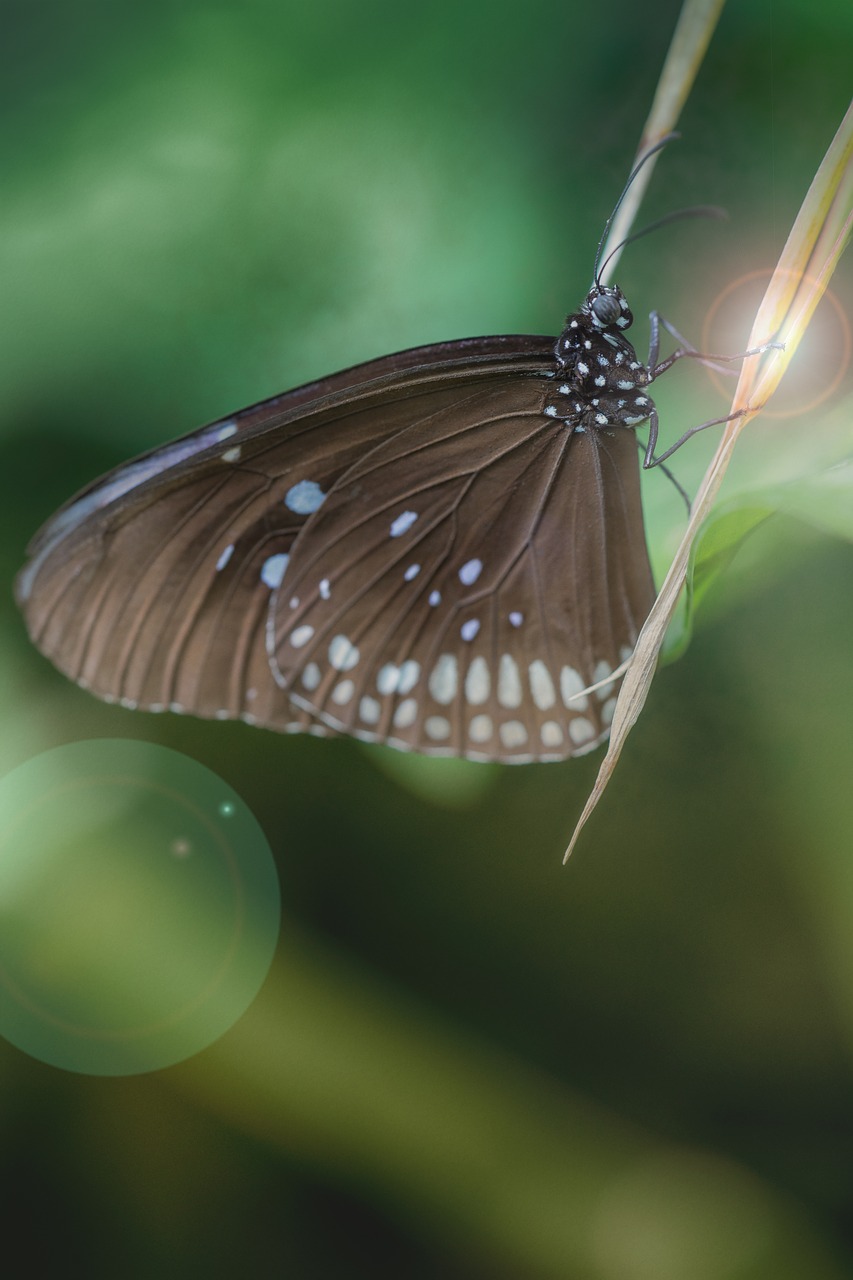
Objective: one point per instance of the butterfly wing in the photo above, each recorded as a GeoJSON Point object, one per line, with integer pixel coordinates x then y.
{"type": "Point", "coordinates": [152, 587]}
{"type": "Point", "coordinates": [467, 581]}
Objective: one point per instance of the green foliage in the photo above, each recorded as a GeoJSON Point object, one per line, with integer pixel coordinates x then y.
{"type": "Point", "coordinates": [467, 1062]}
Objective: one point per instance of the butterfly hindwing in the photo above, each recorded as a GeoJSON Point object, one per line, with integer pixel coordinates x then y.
{"type": "Point", "coordinates": [463, 585]}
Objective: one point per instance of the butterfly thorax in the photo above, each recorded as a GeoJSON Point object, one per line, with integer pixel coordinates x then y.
{"type": "Point", "coordinates": [600, 382]}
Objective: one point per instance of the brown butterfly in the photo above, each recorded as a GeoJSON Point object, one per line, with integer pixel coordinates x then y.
{"type": "Point", "coordinates": [442, 550]}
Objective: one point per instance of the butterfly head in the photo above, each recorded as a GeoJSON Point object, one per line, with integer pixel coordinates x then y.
{"type": "Point", "coordinates": [606, 308]}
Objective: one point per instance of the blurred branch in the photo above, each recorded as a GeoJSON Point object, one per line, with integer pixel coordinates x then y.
{"type": "Point", "coordinates": [691, 38]}
{"type": "Point", "coordinates": [479, 1149]}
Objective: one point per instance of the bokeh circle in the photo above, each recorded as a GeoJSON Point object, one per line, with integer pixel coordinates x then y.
{"type": "Point", "coordinates": [139, 907]}
{"type": "Point", "coordinates": [829, 333]}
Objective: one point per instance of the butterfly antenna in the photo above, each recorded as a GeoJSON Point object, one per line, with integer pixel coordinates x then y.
{"type": "Point", "coordinates": [695, 211]}
{"type": "Point", "coordinates": [669, 137]}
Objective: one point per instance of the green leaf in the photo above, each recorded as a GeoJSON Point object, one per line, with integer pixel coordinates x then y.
{"type": "Point", "coordinates": [823, 500]}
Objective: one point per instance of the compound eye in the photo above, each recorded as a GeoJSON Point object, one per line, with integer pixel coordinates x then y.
{"type": "Point", "coordinates": [606, 309]}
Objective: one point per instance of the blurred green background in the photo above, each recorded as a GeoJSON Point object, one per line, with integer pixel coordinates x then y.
{"type": "Point", "coordinates": [466, 1062]}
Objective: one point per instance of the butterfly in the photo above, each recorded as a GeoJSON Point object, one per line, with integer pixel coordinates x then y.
{"type": "Point", "coordinates": [441, 550]}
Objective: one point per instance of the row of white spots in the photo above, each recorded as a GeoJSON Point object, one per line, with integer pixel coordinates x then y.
{"type": "Point", "coordinates": [403, 523]}
{"type": "Point", "coordinates": [343, 654]}
{"type": "Point", "coordinates": [511, 733]}
{"type": "Point", "coordinates": [304, 498]}
{"type": "Point", "coordinates": [398, 679]}
{"type": "Point", "coordinates": [444, 680]}
{"type": "Point", "coordinates": [444, 684]}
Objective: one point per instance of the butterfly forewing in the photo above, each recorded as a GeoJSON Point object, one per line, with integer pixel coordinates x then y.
{"type": "Point", "coordinates": [153, 586]}
{"type": "Point", "coordinates": [446, 597]}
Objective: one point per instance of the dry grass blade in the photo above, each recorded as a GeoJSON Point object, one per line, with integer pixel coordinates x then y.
{"type": "Point", "coordinates": [691, 37]}
{"type": "Point", "coordinates": [821, 231]}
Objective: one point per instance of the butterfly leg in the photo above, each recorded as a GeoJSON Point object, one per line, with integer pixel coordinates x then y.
{"type": "Point", "coordinates": [649, 460]}
{"type": "Point", "coordinates": [656, 366]}
{"type": "Point", "coordinates": [669, 475]}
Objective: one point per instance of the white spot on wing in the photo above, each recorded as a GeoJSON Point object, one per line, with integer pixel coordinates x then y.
{"type": "Point", "coordinates": [273, 569]}
{"type": "Point", "coordinates": [387, 678]}
{"type": "Point", "coordinates": [412, 572]}
{"type": "Point", "coordinates": [310, 678]}
{"type": "Point", "coordinates": [402, 523]}
{"type": "Point", "coordinates": [601, 672]}
{"type": "Point", "coordinates": [406, 714]}
{"type": "Point", "coordinates": [342, 692]}
{"type": "Point", "coordinates": [541, 685]}
{"type": "Point", "coordinates": [581, 730]}
{"type": "Point", "coordinates": [470, 572]}
{"type": "Point", "coordinates": [480, 729]}
{"type": "Point", "coordinates": [325, 589]}
{"type": "Point", "coordinates": [437, 728]}
{"type": "Point", "coordinates": [225, 557]}
{"type": "Point", "coordinates": [552, 734]}
{"type": "Point", "coordinates": [469, 629]}
{"type": "Point", "coordinates": [232, 455]}
{"type": "Point", "coordinates": [571, 685]}
{"type": "Point", "coordinates": [513, 733]}
{"type": "Point", "coordinates": [434, 598]}
{"type": "Point", "coordinates": [369, 710]}
{"type": "Point", "coordinates": [444, 679]}
{"type": "Point", "coordinates": [509, 682]}
{"type": "Point", "coordinates": [516, 618]}
{"type": "Point", "coordinates": [301, 636]}
{"type": "Point", "coordinates": [477, 682]}
{"type": "Point", "coordinates": [343, 655]}
{"type": "Point", "coordinates": [410, 673]}
{"type": "Point", "coordinates": [304, 497]}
